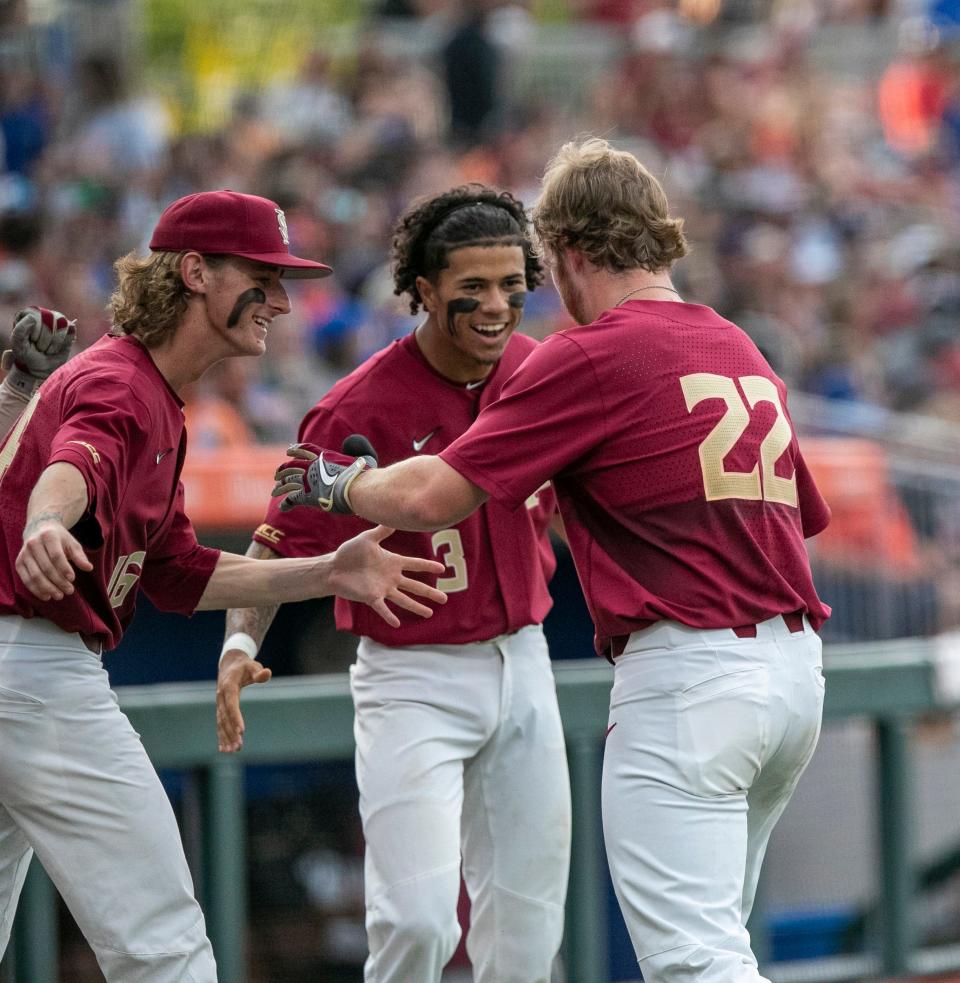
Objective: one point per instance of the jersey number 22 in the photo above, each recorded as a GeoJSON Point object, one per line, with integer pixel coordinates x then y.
{"type": "Point", "coordinates": [761, 483]}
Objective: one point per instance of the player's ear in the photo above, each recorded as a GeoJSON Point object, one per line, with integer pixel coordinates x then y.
{"type": "Point", "coordinates": [193, 272]}
{"type": "Point", "coordinates": [428, 294]}
{"type": "Point", "coordinates": [575, 259]}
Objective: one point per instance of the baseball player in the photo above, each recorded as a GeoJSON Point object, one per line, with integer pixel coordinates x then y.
{"type": "Point", "coordinates": [41, 341]}
{"type": "Point", "coordinates": [460, 752]}
{"type": "Point", "coordinates": [686, 501]}
{"type": "Point", "coordinates": [91, 507]}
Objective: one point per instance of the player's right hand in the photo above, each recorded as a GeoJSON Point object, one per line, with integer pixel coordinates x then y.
{"type": "Point", "coordinates": [47, 559]}
{"type": "Point", "coordinates": [41, 343]}
{"type": "Point", "coordinates": [237, 670]}
{"type": "Point", "coordinates": [320, 478]}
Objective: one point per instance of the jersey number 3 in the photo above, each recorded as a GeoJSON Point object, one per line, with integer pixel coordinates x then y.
{"type": "Point", "coordinates": [448, 548]}
{"type": "Point", "coordinates": [718, 483]}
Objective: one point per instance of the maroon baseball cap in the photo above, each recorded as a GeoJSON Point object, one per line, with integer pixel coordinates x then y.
{"type": "Point", "coordinates": [233, 224]}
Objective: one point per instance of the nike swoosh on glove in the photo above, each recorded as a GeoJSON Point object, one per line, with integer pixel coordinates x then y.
{"type": "Point", "coordinates": [318, 477]}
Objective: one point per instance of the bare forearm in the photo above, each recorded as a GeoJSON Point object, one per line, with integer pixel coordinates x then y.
{"type": "Point", "coordinates": [12, 404]}
{"type": "Point", "coordinates": [242, 582]}
{"type": "Point", "coordinates": [59, 494]}
{"type": "Point", "coordinates": [421, 493]}
{"type": "Point", "coordinates": [254, 621]}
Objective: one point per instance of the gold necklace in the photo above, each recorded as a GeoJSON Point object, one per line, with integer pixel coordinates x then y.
{"type": "Point", "coordinates": [637, 290]}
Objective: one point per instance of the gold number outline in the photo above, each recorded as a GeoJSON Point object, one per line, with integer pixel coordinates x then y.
{"type": "Point", "coordinates": [759, 389]}
{"type": "Point", "coordinates": [121, 580]}
{"type": "Point", "coordinates": [449, 540]}
{"type": "Point", "coordinates": [761, 483]}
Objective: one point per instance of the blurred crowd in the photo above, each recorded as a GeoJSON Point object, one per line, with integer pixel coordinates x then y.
{"type": "Point", "coordinates": [813, 147]}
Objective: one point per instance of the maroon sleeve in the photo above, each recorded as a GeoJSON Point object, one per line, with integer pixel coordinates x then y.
{"type": "Point", "coordinates": [177, 568]}
{"type": "Point", "coordinates": [100, 425]}
{"type": "Point", "coordinates": [306, 531]}
{"type": "Point", "coordinates": [814, 511]}
{"type": "Point", "coordinates": [549, 414]}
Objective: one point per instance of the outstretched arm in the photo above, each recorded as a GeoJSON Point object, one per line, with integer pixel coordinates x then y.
{"type": "Point", "coordinates": [360, 570]}
{"type": "Point", "coordinates": [419, 494]}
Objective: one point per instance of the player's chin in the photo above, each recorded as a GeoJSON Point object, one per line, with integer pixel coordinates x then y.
{"type": "Point", "coordinates": [490, 352]}
{"type": "Point", "coordinates": [255, 345]}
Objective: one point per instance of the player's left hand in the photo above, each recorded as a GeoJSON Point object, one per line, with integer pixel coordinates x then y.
{"type": "Point", "coordinates": [323, 481]}
{"type": "Point", "coordinates": [41, 341]}
{"type": "Point", "coordinates": [236, 670]}
{"type": "Point", "coordinates": [364, 571]}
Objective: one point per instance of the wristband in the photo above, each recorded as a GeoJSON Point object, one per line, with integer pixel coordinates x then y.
{"type": "Point", "coordinates": [345, 486]}
{"type": "Point", "coordinates": [20, 383]}
{"type": "Point", "coordinates": [241, 642]}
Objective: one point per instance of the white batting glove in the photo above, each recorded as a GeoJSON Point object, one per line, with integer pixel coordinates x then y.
{"type": "Point", "coordinates": [41, 342]}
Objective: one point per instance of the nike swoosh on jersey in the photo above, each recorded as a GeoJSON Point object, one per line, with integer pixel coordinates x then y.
{"type": "Point", "coordinates": [418, 445]}
{"type": "Point", "coordinates": [162, 454]}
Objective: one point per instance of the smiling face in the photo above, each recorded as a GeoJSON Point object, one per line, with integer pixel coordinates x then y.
{"type": "Point", "coordinates": [243, 298]}
{"type": "Point", "coordinates": [474, 305]}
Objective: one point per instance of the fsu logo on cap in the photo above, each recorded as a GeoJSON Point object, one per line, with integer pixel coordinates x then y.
{"type": "Point", "coordinates": [282, 222]}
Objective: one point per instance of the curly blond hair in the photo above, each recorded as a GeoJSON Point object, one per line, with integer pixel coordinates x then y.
{"type": "Point", "coordinates": [151, 298]}
{"type": "Point", "coordinates": [606, 204]}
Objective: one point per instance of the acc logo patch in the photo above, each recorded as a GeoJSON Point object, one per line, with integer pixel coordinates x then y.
{"type": "Point", "coordinates": [94, 453]}
{"type": "Point", "coordinates": [282, 222]}
{"type": "Point", "coordinates": [268, 533]}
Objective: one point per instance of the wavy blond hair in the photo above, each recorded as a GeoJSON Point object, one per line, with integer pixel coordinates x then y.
{"type": "Point", "coordinates": [151, 298]}
{"type": "Point", "coordinates": [606, 204]}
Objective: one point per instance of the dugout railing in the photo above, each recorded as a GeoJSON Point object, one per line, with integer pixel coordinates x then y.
{"type": "Point", "coordinates": [311, 718]}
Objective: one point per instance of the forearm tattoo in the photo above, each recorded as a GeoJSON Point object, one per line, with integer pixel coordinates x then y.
{"type": "Point", "coordinates": [253, 621]}
{"type": "Point", "coordinates": [47, 515]}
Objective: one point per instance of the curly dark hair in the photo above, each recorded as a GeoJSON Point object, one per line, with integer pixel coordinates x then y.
{"type": "Point", "coordinates": [471, 215]}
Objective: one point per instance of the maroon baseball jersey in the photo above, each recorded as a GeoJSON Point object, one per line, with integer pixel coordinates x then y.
{"type": "Point", "coordinates": [498, 560]}
{"type": "Point", "coordinates": [680, 481]}
{"type": "Point", "coordinates": [111, 414]}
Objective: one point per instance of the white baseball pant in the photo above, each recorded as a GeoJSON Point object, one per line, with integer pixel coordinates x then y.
{"type": "Point", "coordinates": [709, 735]}
{"type": "Point", "coordinates": [460, 748]}
{"type": "Point", "coordinates": [76, 786]}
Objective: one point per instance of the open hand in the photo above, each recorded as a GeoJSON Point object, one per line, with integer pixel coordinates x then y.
{"type": "Point", "coordinates": [237, 670]}
{"type": "Point", "coordinates": [364, 571]}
